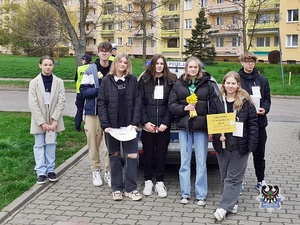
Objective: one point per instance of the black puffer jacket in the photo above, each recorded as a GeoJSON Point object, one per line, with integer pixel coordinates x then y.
{"type": "Point", "coordinates": [155, 110]}
{"type": "Point", "coordinates": [108, 102]}
{"type": "Point", "coordinates": [255, 79]}
{"type": "Point", "coordinates": [248, 116]}
{"type": "Point", "coordinates": [177, 102]}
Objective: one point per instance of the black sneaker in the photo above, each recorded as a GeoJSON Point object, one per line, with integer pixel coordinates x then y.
{"type": "Point", "coordinates": [52, 176]}
{"type": "Point", "coordinates": [41, 179]}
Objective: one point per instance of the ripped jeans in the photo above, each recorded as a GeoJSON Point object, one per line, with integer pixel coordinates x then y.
{"type": "Point", "coordinates": [118, 183]}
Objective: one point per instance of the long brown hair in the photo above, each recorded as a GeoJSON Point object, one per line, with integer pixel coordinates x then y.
{"type": "Point", "coordinates": [240, 92]}
{"type": "Point", "coordinates": [190, 59]}
{"type": "Point", "coordinates": [150, 70]}
{"type": "Point", "coordinates": [113, 69]}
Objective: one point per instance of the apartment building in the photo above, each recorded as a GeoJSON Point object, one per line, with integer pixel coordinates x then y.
{"type": "Point", "coordinates": [273, 25]}
{"type": "Point", "coordinates": [263, 27]}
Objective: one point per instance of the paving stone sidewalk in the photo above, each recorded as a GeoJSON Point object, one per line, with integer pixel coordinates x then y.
{"type": "Point", "coordinates": [73, 200]}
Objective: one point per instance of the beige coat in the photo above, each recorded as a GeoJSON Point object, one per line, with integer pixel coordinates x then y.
{"type": "Point", "coordinates": [41, 113]}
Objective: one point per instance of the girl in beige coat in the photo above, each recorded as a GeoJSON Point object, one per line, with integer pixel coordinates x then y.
{"type": "Point", "coordinates": [46, 99]}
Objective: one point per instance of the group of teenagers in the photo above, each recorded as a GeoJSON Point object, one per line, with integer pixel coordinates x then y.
{"type": "Point", "coordinates": [110, 96]}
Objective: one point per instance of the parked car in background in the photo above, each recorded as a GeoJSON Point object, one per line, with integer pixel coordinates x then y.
{"type": "Point", "coordinates": [173, 155]}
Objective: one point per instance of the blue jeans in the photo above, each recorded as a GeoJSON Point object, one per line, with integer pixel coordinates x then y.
{"type": "Point", "coordinates": [44, 155]}
{"type": "Point", "coordinates": [200, 141]}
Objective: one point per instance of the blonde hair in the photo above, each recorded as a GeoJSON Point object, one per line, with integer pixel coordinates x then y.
{"type": "Point", "coordinates": [113, 68]}
{"type": "Point", "coordinates": [247, 56]}
{"type": "Point", "coordinates": [240, 92]}
{"type": "Point", "coordinates": [190, 59]}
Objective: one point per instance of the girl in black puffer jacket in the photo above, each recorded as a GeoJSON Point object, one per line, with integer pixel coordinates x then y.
{"type": "Point", "coordinates": [233, 158]}
{"type": "Point", "coordinates": [192, 131]}
{"type": "Point", "coordinates": [155, 86]}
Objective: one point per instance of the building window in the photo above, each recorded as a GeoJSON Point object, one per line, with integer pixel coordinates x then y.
{"type": "Point", "coordinates": [263, 18]}
{"type": "Point", "coordinates": [119, 26]}
{"type": "Point", "coordinates": [186, 42]}
{"type": "Point", "coordinates": [203, 3]}
{"type": "Point", "coordinates": [220, 20]}
{"type": "Point", "coordinates": [110, 27]}
{"type": "Point", "coordinates": [129, 25]}
{"type": "Point", "coordinates": [188, 24]}
{"type": "Point", "coordinates": [152, 25]}
{"type": "Point", "coordinates": [220, 1]}
{"type": "Point", "coordinates": [276, 17]}
{"type": "Point", "coordinates": [172, 43]}
{"type": "Point", "coordinates": [187, 4]}
{"type": "Point", "coordinates": [152, 44]}
{"type": "Point", "coordinates": [276, 41]}
{"type": "Point", "coordinates": [119, 41]}
{"type": "Point", "coordinates": [129, 41]}
{"type": "Point", "coordinates": [235, 20]}
{"type": "Point", "coordinates": [263, 41]}
{"type": "Point", "coordinates": [173, 7]}
{"type": "Point", "coordinates": [293, 15]}
{"type": "Point", "coordinates": [129, 8]}
{"type": "Point", "coordinates": [70, 2]}
{"type": "Point", "coordinates": [235, 41]}
{"type": "Point", "coordinates": [153, 6]}
{"type": "Point", "coordinates": [292, 40]}
{"type": "Point", "coordinates": [220, 41]}
{"type": "Point", "coordinates": [119, 8]}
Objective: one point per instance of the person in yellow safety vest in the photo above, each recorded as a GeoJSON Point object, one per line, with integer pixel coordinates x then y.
{"type": "Point", "coordinates": [113, 52]}
{"type": "Point", "coordinates": [86, 60]}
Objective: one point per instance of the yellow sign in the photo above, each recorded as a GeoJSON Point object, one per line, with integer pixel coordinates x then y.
{"type": "Point", "coordinates": [221, 123]}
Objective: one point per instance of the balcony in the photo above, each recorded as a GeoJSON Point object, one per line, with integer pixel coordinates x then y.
{"type": "Point", "coordinates": [107, 18]}
{"type": "Point", "coordinates": [226, 9]}
{"type": "Point", "coordinates": [138, 2]}
{"type": "Point", "coordinates": [139, 34]}
{"type": "Point", "coordinates": [90, 19]}
{"type": "Point", "coordinates": [107, 1]}
{"type": "Point", "coordinates": [167, 15]}
{"type": "Point", "coordinates": [265, 8]}
{"type": "Point", "coordinates": [107, 33]}
{"type": "Point", "coordinates": [263, 31]}
{"type": "Point", "coordinates": [90, 34]}
{"type": "Point", "coordinates": [170, 33]}
{"type": "Point", "coordinates": [139, 16]}
{"type": "Point", "coordinates": [93, 4]}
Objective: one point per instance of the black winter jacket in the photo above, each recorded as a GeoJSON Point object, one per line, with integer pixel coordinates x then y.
{"type": "Point", "coordinates": [248, 116]}
{"type": "Point", "coordinates": [155, 110]}
{"type": "Point", "coordinates": [255, 79]}
{"type": "Point", "coordinates": [205, 92]}
{"type": "Point", "coordinates": [108, 102]}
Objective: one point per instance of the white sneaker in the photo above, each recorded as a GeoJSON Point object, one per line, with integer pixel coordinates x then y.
{"type": "Point", "coordinates": [235, 209]}
{"type": "Point", "coordinates": [107, 178]}
{"type": "Point", "coordinates": [148, 187]}
{"type": "Point", "coordinates": [97, 180]}
{"type": "Point", "coordinates": [184, 200]}
{"type": "Point", "coordinates": [220, 214]}
{"type": "Point", "coordinates": [117, 195]}
{"type": "Point", "coordinates": [160, 189]}
{"type": "Point", "coordinates": [201, 202]}
{"type": "Point", "coordinates": [134, 195]}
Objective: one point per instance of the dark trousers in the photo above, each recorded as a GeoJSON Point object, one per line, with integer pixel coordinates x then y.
{"type": "Point", "coordinates": [79, 104]}
{"type": "Point", "coordinates": [155, 147]}
{"type": "Point", "coordinates": [118, 183]}
{"type": "Point", "coordinates": [259, 155]}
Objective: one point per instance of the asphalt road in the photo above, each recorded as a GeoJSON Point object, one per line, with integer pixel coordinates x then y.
{"type": "Point", "coordinates": [282, 109]}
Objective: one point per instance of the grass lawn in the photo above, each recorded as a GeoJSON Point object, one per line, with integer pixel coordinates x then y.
{"type": "Point", "coordinates": [27, 67]}
{"type": "Point", "coordinates": [16, 154]}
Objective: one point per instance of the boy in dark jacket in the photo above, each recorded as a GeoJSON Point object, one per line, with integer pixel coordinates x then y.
{"type": "Point", "coordinates": [257, 85]}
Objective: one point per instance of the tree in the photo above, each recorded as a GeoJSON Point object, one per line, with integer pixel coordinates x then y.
{"type": "Point", "coordinates": [78, 40]}
{"type": "Point", "coordinates": [35, 27]}
{"type": "Point", "coordinates": [199, 44]}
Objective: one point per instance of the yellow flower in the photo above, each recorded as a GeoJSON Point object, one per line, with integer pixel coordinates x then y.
{"type": "Point", "coordinates": [192, 99]}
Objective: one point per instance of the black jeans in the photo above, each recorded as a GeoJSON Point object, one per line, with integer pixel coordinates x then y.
{"type": "Point", "coordinates": [155, 147]}
{"type": "Point", "coordinates": [259, 155]}
{"type": "Point", "coordinates": [79, 114]}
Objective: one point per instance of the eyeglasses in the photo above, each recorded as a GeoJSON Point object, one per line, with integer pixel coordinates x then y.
{"type": "Point", "coordinates": [104, 52]}
{"type": "Point", "coordinates": [249, 62]}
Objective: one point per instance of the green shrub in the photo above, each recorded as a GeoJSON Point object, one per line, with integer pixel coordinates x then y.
{"type": "Point", "coordinates": [294, 69]}
{"type": "Point", "coordinates": [274, 57]}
